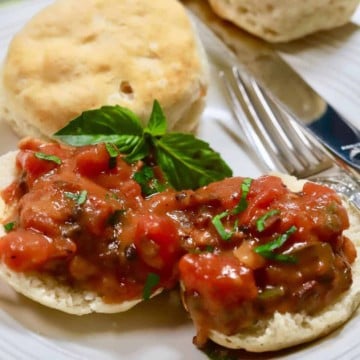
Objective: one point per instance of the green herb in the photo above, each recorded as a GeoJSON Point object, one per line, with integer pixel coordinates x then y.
{"type": "Point", "coordinates": [151, 281]}
{"type": "Point", "coordinates": [146, 179]}
{"type": "Point", "coordinates": [279, 257]}
{"type": "Point", "coordinates": [79, 197]}
{"type": "Point", "coordinates": [224, 234]}
{"type": "Point", "coordinates": [157, 122]}
{"type": "Point", "coordinates": [267, 250]}
{"type": "Point", "coordinates": [260, 223]}
{"type": "Point", "coordinates": [241, 206]}
{"type": "Point", "coordinates": [271, 293]}
{"type": "Point", "coordinates": [9, 226]}
{"type": "Point", "coordinates": [113, 152]}
{"type": "Point", "coordinates": [47, 157]}
{"type": "Point", "coordinates": [186, 162]}
{"type": "Point", "coordinates": [115, 217]}
{"type": "Point", "coordinates": [209, 248]}
{"type": "Point", "coordinates": [111, 195]}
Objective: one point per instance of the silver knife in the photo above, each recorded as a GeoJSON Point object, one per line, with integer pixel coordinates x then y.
{"type": "Point", "coordinates": [226, 43]}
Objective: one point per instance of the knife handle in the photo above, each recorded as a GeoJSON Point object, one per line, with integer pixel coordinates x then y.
{"type": "Point", "coordinates": [339, 136]}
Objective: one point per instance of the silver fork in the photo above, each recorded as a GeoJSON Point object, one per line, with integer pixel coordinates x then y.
{"type": "Point", "coordinates": [279, 142]}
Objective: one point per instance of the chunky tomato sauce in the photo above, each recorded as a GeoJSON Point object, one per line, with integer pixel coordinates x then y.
{"type": "Point", "coordinates": [241, 253]}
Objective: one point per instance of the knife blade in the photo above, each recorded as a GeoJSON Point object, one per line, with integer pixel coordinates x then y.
{"type": "Point", "coordinates": [227, 45]}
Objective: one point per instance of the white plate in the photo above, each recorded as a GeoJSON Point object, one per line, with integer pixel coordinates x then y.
{"type": "Point", "coordinates": [160, 329]}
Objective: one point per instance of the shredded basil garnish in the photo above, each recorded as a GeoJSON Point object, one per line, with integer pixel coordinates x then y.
{"type": "Point", "coordinates": [209, 248]}
{"type": "Point", "coordinates": [267, 250]}
{"type": "Point", "coordinates": [279, 257]}
{"type": "Point", "coordinates": [47, 157]}
{"type": "Point", "coordinates": [224, 234]}
{"type": "Point", "coordinates": [270, 293]}
{"type": "Point", "coordinates": [151, 281]}
{"type": "Point", "coordinates": [260, 223]}
{"type": "Point", "coordinates": [111, 195]}
{"type": "Point", "coordinates": [9, 226]}
{"type": "Point", "coordinates": [145, 177]}
{"type": "Point", "coordinates": [115, 217]}
{"type": "Point", "coordinates": [241, 206]}
{"type": "Point", "coordinates": [78, 197]}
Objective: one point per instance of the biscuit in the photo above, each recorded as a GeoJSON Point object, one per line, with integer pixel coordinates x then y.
{"type": "Point", "coordinates": [79, 55]}
{"type": "Point", "coordinates": [284, 330]}
{"type": "Point", "coordinates": [43, 288]}
{"type": "Point", "coordinates": [285, 20]}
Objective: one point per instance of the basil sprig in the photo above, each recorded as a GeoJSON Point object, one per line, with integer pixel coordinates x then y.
{"type": "Point", "coordinates": [187, 162]}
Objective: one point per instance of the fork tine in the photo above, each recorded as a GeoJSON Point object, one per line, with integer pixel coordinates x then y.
{"type": "Point", "coordinates": [300, 138]}
{"type": "Point", "coordinates": [247, 113]}
{"type": "Point", "coordinates": [275, 136]}
{"type": "Point", "coordinates": [242, 112]}
{"type": "Point", "coordinates": [292, 151]}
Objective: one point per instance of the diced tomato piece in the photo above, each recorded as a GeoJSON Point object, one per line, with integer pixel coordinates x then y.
{"type": "Point", "coordinates": [349, 250]}
{"type": "Point", "coordinates": [96, 215]}
{"type": "Point", "coordinates": [219, 278]}
{"type": "Point", "coordinates": [32, 166]}
{"type": "Point", "coordinates": [263, 191]}
{"type": "Point", "coordinates": [157, 241]}
{"type": "Point", "coordinates": [92, 160]}
{"type": "Point", "coordinates": [26, 250]}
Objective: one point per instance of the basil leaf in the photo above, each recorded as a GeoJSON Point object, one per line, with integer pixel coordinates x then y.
{"type": "Point", "coordinates": [242, 205]}
{"type": "Point", "coordinates": [271, 293]}
{"type": "Point", "coordinates": [115, 217]}
{"type": "Point", "coordinates": [188, 162]}
{"type": "Point", "coordinates": [146, 179]}
{"type": "Point", "coordinates": [139, 152]}
{"type": "Point", "coordinates": [278, 242]}
{"type": "Point", "coordinates": [224, 234]}
{"type": "Point", "coordinates": [112, 124]}
{"type": "Point", "coordinates": [47, 157]}
{"type": "Point", "coordinates": [266, 250]}
{"type": "Point", "coordinates": [157, 123]}
{"type": "Point", "coordinates": [209, 249]}
{"type": "Point", "coordinates": [9, 226]}
{"type": "Point", "coordinates": [151, 281]}
{"type": "Point", "coordinates": [216, 221]}
{"type": "Point", "coordinates": [111, 195]}
{"type": "Point", "coordinates": [279, 257]}
{"type": "Point", "coordinates": [79, 197]}
{"type": "Point", "coordinates": [260, 222]}
{"type": "Point", "coordinates": [112, 150]}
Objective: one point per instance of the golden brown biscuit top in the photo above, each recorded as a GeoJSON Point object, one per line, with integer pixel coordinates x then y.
{"type": "Point", "coordinates": [76, 55]}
